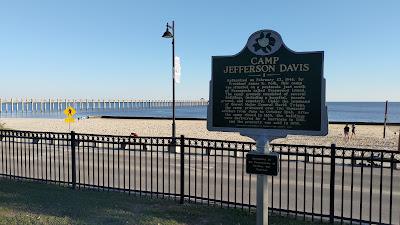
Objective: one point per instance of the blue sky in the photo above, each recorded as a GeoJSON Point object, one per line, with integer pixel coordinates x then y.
{"type": "Point", "coordinates": [113, 49]}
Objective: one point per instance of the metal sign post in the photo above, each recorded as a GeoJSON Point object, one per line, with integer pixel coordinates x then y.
{"type": "Point", "coordinates": [262, 144]}
{"type": "Point", "coordinates": [267, 91]}
{"type": "Point", "coordinates": [69, 112]}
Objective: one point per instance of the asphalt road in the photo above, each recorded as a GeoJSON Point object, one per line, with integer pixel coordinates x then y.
{"type": "Point", "coordinates": [300, 185]}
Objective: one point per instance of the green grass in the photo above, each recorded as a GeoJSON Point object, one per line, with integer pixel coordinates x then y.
{"type": "Point", "coordinates": [24, 202]}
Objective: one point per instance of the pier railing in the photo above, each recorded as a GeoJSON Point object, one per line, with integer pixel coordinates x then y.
{"type": "Point", "coordinates": [59, 105]}
{"type": "Point", "coordinates": [314, 182]}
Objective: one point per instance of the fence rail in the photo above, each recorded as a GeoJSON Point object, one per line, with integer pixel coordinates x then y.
{"type": "Point", "coordinates": [314, 182]}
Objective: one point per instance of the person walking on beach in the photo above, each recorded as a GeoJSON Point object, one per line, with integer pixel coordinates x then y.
{"type": "Point", "coordinates": [346, 131]}
{"type": "Point", "coordinates": [353, 130]}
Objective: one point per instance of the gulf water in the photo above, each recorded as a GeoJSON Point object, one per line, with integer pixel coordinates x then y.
{"type": "Point", "coordinates": [337, 111]}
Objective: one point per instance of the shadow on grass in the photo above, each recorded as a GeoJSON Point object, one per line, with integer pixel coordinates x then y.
{"type": "Point", "coordinates": [24, 202]}
{"type": "Point", "coordinates": [47, 203]}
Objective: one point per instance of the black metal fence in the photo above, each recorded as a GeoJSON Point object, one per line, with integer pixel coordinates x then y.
{"type": "Point", "coordinates": [314, 182]}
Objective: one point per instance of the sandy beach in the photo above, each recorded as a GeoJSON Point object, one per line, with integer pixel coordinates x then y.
{"type": "Point", "coordinates": [367, 136]}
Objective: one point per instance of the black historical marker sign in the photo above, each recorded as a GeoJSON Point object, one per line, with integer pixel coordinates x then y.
{"type": "Point", "coordinates": [267, 86]}
{"type": "Point", "coordinates": [265, 164]}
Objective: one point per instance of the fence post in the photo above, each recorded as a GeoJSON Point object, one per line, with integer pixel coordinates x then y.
{"type": "Point", "coordinates": [73, 159]}
{"type": "Point", "coordinates": [182, 196]}
{"type": "Point", "coordinates": [332, 185]}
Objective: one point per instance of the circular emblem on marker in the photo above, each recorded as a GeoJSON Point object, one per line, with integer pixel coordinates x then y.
{"type": "Point", "coordinates": [264, 42]}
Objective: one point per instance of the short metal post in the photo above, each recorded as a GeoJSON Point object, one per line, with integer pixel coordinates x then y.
{"type": "Point", "coordinates": [385, 119]}
{"type": "Point", "coordinates": [73, 167]}
{"type": "Point", "coordinates": [182, 196]}
{"type": "Point", "coordinates": [398, 145]}
{"type": "Point", "coordinates": [332, 185]}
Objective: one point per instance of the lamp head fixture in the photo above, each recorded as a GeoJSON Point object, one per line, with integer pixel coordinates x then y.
{"type": "Point", "coordinates": [167, 33]}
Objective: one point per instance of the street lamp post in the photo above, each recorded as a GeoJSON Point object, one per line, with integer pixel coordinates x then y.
{"type": "Point", "coordinates": [168, 34]}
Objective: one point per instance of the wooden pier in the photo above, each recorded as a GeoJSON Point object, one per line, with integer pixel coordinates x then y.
{"type": "Point", "coordinates": [58, 105]}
